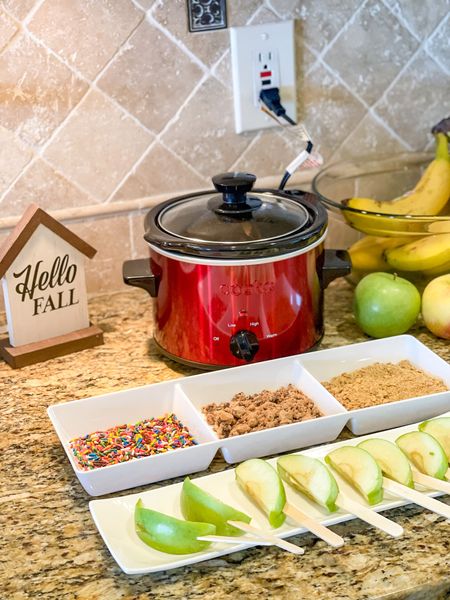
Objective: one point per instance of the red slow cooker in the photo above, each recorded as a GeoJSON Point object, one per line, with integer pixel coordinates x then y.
{"type": "Point", "coordinates": [236, 275]}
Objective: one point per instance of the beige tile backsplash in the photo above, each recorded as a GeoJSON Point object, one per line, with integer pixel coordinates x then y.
{"type": "Point", "coordinates": [105, 102]}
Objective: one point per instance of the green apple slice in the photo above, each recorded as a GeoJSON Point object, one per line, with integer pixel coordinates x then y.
{"type": "Point", "coordinates": [168, 534]}
{"type": "Point", "coordinates": [425, 452]}
{"type": "Point", "coordinates": [310, 477]}
{"type": "Point", "coordinates": [262, 484]}
{"type": "Point", "coordinates": [390, 458]}
{"type": "Point", "coordinates": [198, 505]}
{"type": "Point", "coordinates": [440, 429]}
{"type": "Point", "coordinates": [360, 469]}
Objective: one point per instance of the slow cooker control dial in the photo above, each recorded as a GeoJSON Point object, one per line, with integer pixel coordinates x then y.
{"type": "Point", "coordinates": [244, 344]}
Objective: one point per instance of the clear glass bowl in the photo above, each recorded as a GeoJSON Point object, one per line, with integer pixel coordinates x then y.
{"type": "Point", "coordinates": [382, 178]}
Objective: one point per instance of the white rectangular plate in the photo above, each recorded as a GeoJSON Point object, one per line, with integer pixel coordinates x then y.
{"type": "Point", "coordinates": [114, 517]}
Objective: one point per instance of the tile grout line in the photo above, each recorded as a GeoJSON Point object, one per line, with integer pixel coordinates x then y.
{"type": "Point", "coordinates": [91, 86]}
{"type": "Point", "coordinates": [403, 22]}
{"type": "Point", "coordinates": [406, 65]}
{"type": "Point", "coordinates": [368, 109]}
{"type": "Point", "coordinates": [371, 109]}
{"type": "Point", "coordinates": [138, 5]}
{"type": "Point", "coordinates": [319, 54]}
{"type": "Point", "coordinates": [38, 152]}
{"type": "Point", "coordinates": [158, 137]}
{"type": "Point", "coordinates": [132, 170]}
{"type": "Point", "coordinates": [208, 72]}
{"type": "Point", "coordinates": [430, 38]}
{"type": "Point", "coordinates": [149, 16]}
{"type": "Point", "coordinates": [422, 42]}
{"type": "Point", "coordinates": [345, 26]}
{"type": "Point", "coordinates": [32, 12]}
{"type": "Point", "coordinates": [254, 141]}
{"type": "Point", "coordinates": [78, 186]}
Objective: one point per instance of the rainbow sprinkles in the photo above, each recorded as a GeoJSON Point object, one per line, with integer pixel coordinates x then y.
{"type": "Point", "coordinates": [123, 443]}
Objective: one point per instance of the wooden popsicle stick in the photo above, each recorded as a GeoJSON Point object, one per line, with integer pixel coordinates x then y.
{"type": "Point", "coordinates": [322, 532]}
{"type": "Point", "coordinates": [235, 540]}
{"type": "Point", "coordinates": [431, 482]}
{"type": "Point", "coordinates": [266, 535]}
{"type": "Point", "coordinates": [369, 516]}
{"type": "Point", "coordinates": [416, 497]}
{"type": "Point", "coordinates": [447, 475]}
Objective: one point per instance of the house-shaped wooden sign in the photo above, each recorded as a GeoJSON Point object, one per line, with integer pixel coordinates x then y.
{"type": "Point", "coordinates": [44, 286]}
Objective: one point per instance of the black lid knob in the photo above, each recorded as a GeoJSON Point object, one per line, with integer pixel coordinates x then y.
{"type": "Point", "coordinates": [234, 184]}
{"type": "Point", "coordinates": [234, 187]}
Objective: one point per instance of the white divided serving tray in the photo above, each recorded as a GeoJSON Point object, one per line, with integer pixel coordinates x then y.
{"type": "Point", "coordinates": [114, 517]}
{"type": "Point", "coordinates": [326, 364]}
{"type": "Point", "coordinates": [186, 396]}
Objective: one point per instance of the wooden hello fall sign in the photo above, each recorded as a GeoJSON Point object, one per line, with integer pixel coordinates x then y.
{"type": "Point", "coordinates": [44, 287]}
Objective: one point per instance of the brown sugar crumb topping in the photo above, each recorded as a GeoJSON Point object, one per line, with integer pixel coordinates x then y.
{"type": "Point", "coordinates": [246, 413]}
{"type": "Point", "coordinates": [382, 383]}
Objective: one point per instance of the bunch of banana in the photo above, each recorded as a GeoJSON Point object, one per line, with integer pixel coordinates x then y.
{"type": "Point", "coordinates": [429, 197]}
{"type": "Point", "coordinates": [430, 255]}
{"type": "Point", "coordinates": [425, 257]}
{"type": "Point", "coordinates": [367, 254]}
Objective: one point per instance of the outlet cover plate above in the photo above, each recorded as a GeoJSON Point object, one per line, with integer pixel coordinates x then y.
{"type": "Point", "coordinates": [248, 44]}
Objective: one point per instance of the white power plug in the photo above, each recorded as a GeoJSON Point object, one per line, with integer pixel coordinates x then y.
{"type": "Point", "coordinates": [257, 50]}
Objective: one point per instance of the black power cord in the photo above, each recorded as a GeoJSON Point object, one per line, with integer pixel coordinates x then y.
{"type": "Point", "coordinates": [271, 99]}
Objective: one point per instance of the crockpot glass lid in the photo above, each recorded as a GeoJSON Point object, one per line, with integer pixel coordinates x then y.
{"type": "Point", "coordinates": [234, 215]}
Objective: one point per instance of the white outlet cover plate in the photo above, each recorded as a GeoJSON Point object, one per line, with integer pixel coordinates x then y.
{"type": "Point", "coordinates": [247, 43]}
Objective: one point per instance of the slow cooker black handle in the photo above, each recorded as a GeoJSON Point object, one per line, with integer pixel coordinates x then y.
{"type": "Point", "coordinates": [138, 273]}
{"type": "Point", "coordinates": [336, 264]}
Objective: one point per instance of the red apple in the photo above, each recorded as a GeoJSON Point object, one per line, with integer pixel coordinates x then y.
{"type": "Point", "coordinates": [436, 306]}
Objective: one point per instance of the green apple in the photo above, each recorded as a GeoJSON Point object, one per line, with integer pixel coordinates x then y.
{"type": "Point", "coordinates": [310, 477]}
{"type": "Point", "coordinates": [198, 505]}
{"type": "Point", "coordinates": [385, 304]}
{"type": "Point", "coordinates": [390, 458]}
{"type": "Point", "coordinates": [440, 429]}
{"type": "Point", "coordinates": [168, 534]}
{"type": "Point", "coordinates": [360, 469]}
{"type": "Point", "coordinates": [425, 452]}
{"type": "Point", "coordinates": [262, 484]}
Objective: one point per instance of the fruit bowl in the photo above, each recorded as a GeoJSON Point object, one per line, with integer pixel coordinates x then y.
{"type": "Point", "coordinates": [382, 178]}
{"type": "Point", "coordinates": [415, 246]}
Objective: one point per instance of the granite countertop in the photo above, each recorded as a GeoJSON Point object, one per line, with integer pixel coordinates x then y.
{"type": "Point", "coordinates": [51, 549]}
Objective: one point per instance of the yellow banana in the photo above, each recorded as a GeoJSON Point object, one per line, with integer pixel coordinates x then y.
{"type": "Point", "coordinates": [427, 253]}
{"type": "Point", "coordinates": [367, 254]}
{"type": "Point", "coordinates": [377, 225]}
{"type": "Point", "coordinates": [429, 196]}
{"type": "Point", "coordinates": [436, 271]}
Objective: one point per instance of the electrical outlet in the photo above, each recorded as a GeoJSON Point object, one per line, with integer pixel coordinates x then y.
{"type": "Point", "coordinates": [266, 72]}
{"type": "Point", "coordinates": [262, 56]}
